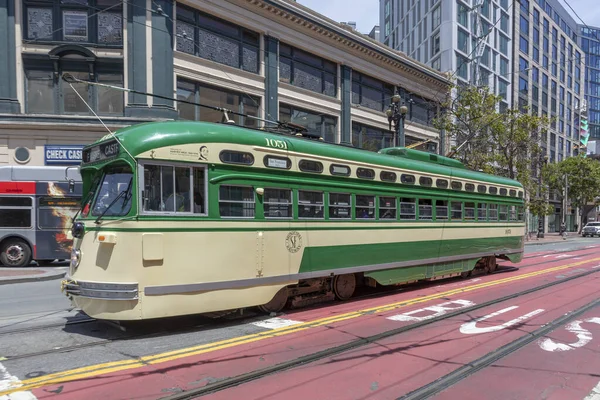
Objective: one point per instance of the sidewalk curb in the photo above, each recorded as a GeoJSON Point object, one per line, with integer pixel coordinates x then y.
{"type": "Point", "coordinates": [33, 278]}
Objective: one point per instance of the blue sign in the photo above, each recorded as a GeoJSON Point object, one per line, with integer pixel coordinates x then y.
{"type": "Point", "coordinates": [62, 154]}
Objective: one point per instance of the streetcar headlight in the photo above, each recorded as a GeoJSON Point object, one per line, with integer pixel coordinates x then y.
{"type": "Point", "coordinates": [75, 258]}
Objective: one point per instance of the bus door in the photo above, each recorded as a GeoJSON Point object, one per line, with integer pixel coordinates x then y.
{"type": "Point", "coordinates": [56, 208]}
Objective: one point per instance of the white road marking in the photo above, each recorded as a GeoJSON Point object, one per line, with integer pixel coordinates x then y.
{"type": "Point", "coordinates": [583, 337]}
{"type": "Point", "coordinates": [594, 394]}
{"type": "Point", "coordinates": [11, 382]}
{"type": "Point", "coordinates": [471, 328]}
{"type": "Point", "coordinates": [434, 311]}
{"type": "Point", "coordinates": [597, 266]}
{"type": "Point", "coordinates": [274, 323]}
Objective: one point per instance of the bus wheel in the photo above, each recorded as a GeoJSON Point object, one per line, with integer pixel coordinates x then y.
{"type": "Point", "coordinates": [277, 303]}
{"type": "Point", "coordinates": [344, 286]}
{"type": "Point", "coordinates": [15, 253]}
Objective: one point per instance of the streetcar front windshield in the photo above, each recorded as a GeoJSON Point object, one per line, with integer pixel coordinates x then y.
{"type": "Point", "coordinates": [114, 192]}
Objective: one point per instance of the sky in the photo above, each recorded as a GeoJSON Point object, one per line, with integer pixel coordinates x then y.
{"type": "Point", "coordinates": [366, 12]}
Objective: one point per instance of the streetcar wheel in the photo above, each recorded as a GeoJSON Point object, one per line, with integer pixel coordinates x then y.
{"type": "Point", "coordinates": [277, 302]}
{"type": "Point", "coordinates": [466, 274]}
{"type": "Point", "coordinates": [15, 253]}
{"type": "Point", "coordinates": [344, 286]}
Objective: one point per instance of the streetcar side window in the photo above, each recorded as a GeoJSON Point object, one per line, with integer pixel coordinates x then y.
{"type": "Point", "coordinates": [174, 189]}
{"type": "Point", "coordinates": [236, 201]}
{"type": "Point", "coordinates": [425, 209]}
{"type": "Point", "coordinates": [513, 213]}
{"type": "Point", "coordinates": [387, 208]}
{"type": "Point", "coordinates": [310, 204]}
{"type": "Point", "coordinates": [441, 210]}
{"type": "Point", "coordinates": [408, 209]}
{"type": "Point", "coordinates": [482, 211]}
{"type": "Point", "coordinates": [456, 210]}
{"type": "Point", "coordinates": [493, 190]}
{"type": "Point", "coordinates": [278, 203]}
{"type": "Point", "coordinates": [503, 192]}
{"type": "Point", "coordinates": [425, 181]}
{"type": "Point", "coordinates": [481, 188]}
{"type": "Point", "coordinates": [441, 183]}
{"type": "Point", "coordinates": [469, 211]}
{"type": "Point", "coordinates": [15, 212]}
{"type": "Point", "coordinates": [503, 212]}
{"type": "Point", "coordinates": [340, 205]}
{"type": "Point", "coordinates": [520, 214]}
{"type": "Point", "coordinates": [365, 207]}
{"type": "Point", "coordinates": [493, 213]}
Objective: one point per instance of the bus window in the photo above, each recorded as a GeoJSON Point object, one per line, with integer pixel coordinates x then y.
{"type": "Point", "coordinates": [425, 209]}
{"type": "Point", "coordinates": [408, 209]}
{"type": "Point", "coordinates": [278, 203]}
{"type": "Point", "coordinates": [340, 205]}
{"type": "Point", "coordinates": [15, 212]}
{"type": "Point", "coordinates": [57, 212]}
{"type": "Point", "coordinates": [387, 208]}
{"type": "Point", "coordinates": [441, 210]}
{"type": "Point", "coordinates": [310, 204]}
{"type": "Point", "coordinates": [365, 206]}
{"type": "Point", "coordinates": [236, 201]}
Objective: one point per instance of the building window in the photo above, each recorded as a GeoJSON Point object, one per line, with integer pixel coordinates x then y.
{"type": "Point", "coordinates": [369, 138]}
{"type": "Point", "coordinates": [462, 65]}
{"type": "Point", "coordinates": [463, 15]}
{"type": "Point", "coordinates": [217, 40]}
{"type": "Point", "coordinates": [436, 17]}
{"type": "Point", "coordinates": [47, 93]}
{"type": "Point", "coordinates": [85, 21]}
{"type": "Point", "coordinates": [435, 44]}
{"type": "Point", "coordinates": [463, 41]}
{"type": "Point", "coordinates": [200, 93]}
{"type": "Point", "coordinates": [524, 45]}
{"type": "Point", "coordinates": [305, 70]}
{"type": "Point", "coordinates": [314, 122]}
{"type": "Point", "coordinates": [370, 92]}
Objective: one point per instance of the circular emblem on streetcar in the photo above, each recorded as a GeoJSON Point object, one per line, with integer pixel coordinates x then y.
{"type": "Point", "coordinates": [293, 242]}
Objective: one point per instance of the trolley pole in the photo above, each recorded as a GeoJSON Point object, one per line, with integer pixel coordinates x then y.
{"type": "Point", "coordinates": [396, 114]}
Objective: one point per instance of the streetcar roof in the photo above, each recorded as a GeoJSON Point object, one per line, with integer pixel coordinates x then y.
{"type": "Point", "coordinates": [141, 138]}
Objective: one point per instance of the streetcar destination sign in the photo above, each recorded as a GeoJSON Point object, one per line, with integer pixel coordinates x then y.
{"type": "Point", "coordinates": [101, 151]}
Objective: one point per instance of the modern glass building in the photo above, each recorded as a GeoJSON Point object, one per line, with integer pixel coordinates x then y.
{"type": "Point", "coordinates": [589, 41]}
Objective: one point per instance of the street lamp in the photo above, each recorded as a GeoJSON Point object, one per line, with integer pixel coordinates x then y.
{"type": "Point", "coordinates": [396, 113]}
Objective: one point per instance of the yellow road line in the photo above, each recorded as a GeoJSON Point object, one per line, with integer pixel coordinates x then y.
{"type": "Point", "coordinates": [115, 366]}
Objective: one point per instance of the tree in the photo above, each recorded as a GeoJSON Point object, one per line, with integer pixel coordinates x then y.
{"type": "Point", "coordinates": [577, 177]}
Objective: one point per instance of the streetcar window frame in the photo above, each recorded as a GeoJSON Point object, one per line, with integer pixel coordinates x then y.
{"type": "Point", "coordinates": [289, 205]}
{"type": "Point", "coordinates": [481, 188]}
{"type": "Point", "coordinates": [405, 213]}
{"type": "Point", "coordinates": [456, 185]}
{"type": "Point", "coordinates": [493, 212]}
{"type": "Point", "coordinates": [302, 164]}
{"type": "Point", "coordinates": [310, 204]}
{"type": "Point", "coordinates": [224, 153]}
{"type": "Point", "coordinates": [442, 183]}
{"type": "Point", "coordinates": [456, 214]}
{"type": "Point", "coordinates": [12, 209]}
{"type": "Point", "coordinates": [383, 174]}
{"type": "Point", "coordinates": [408, 179]}
{"type": "Point", "coordinates": [243, 202]}
{"type": "Point", "coordinates": [370, 209]}
{"type": "Point", "coordinates": [335, 205]}
{"type": "Point", "coordinates": [332, 170]}
{"type": "Point", "coordinates": [503, 192]}
{"type": "Point", "coordinates": [512, 193]}
{"type": "Point", "coordinates": [493, 190]}
{"type": "Point", "coordinates": [365, 173]}
{"type": "Point", "coordinates": [469, 210]}
{"type": "Point", "coordinates": [482, 207]}
{"type": "Point", "coordinates": [267, 158]}
{"type": "Point", "coordinates": [520, 194]}
{"type": "Point", "coordinates": [424, 206]}
{"type": "Point", "coordinates": [512, 213]}
{"type": "Point", "coordinates": [384, 209]}
{"type": "Point", "coordinates": [503, 210]}
{"type": "Point", "coordinates": [425, 181]}
{"type": "Point", "coordinates": [441, 205]}
{"type": "Point", "coordinates": [193, 169]}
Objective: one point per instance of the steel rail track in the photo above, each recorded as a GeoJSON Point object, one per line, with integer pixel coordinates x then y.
{"type": "Point", "coordinates": [48, 326]}
{"type": "Point", "coordinates": [358, 343]}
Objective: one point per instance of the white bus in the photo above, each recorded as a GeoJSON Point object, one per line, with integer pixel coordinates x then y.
{"type": "Point", "coordinates": [37, 205]}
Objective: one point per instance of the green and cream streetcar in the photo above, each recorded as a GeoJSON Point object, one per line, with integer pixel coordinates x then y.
{"type": "Point", "coordinates": [190, 217]}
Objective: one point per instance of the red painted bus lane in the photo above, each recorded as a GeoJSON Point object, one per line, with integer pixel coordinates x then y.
{"type": "Point", "coordinates": [563, 365]}
{"type": "Point", "coordinates": [200, 370]}
{"type": "Point", "coordinates": [395, 366]}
